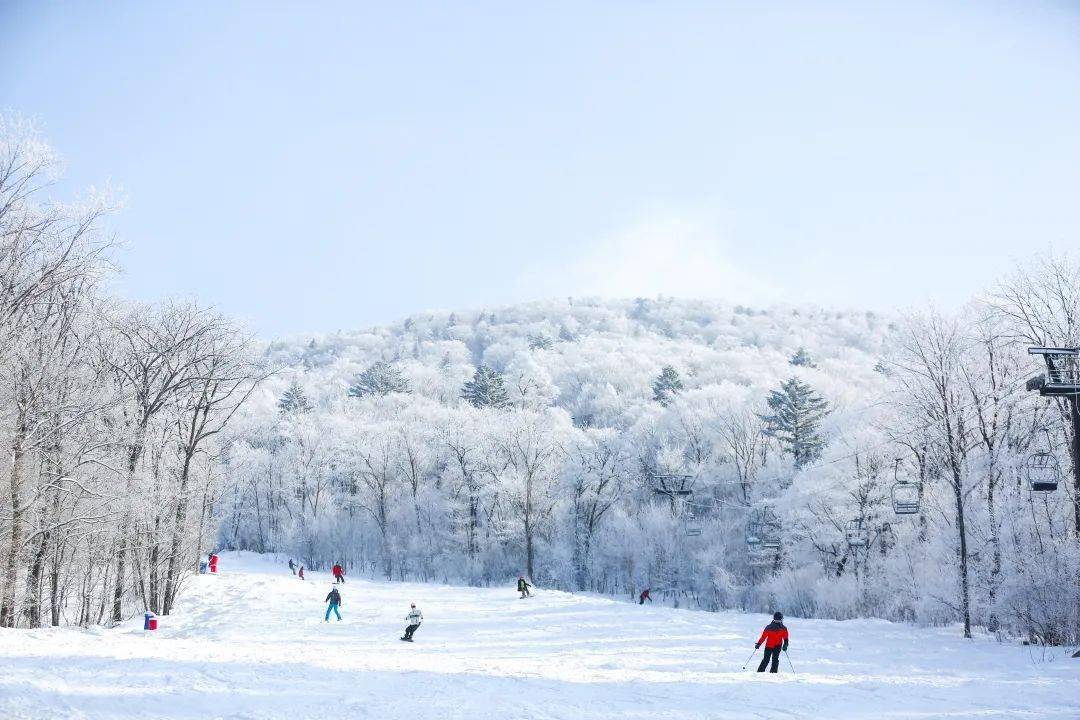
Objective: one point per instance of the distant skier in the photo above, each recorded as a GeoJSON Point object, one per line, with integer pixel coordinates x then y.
{"type": "Point", "coordinates": [301, 573]}
{"type": "Point", "coordinates": [339, 573]}
{"type": "Point", "coordinates": [414, 618]}
{"type": "Point", "coordinates": [334, 598]}
{"type": "Point", "coordinates": [644, 596]}
{"type": "Point", "coordinates": [213, 562]}
{"type": "Point", "coordinates": [775, 637]}
{"type": "Point", "coordinates": [523, 587]}
{"type": "Point", "coordinates": [292, 566]}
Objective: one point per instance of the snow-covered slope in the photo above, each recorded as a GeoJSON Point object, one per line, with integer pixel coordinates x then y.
{"type": "Point", "coordinates": [251, 643]}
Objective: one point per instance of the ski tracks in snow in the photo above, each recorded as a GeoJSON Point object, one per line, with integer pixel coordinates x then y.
{"type": "Point", "coordinates": [251, 643]}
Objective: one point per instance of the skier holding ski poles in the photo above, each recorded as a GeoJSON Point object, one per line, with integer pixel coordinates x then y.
{"type": "Point", "coordinates": [334, 598]}
{"type": "Point", "coordinates": [775, 637]}
{"type": "Point", "coordinates": [414, 618]}
{"type": "Point", "coordinates": [523, 587]}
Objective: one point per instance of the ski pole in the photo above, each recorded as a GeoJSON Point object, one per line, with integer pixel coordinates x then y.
{"type": "Point", "coordinates": [749, 659]}
{"type": "Point", "coordinates": [789, 663]}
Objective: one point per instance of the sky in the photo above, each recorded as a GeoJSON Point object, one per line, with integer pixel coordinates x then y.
{"type": "Point", "coordinates": [314, 167]}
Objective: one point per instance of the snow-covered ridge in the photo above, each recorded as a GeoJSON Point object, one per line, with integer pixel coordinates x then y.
{"type": "Point", "coordinates": [589, 348]}
{"type": "Point", "coordinates": [251, 643]}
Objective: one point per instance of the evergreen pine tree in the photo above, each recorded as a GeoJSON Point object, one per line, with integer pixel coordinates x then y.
{"type": "Point", "coordinates": [795, 420]}
{"type": "Point", "coordinates": [539, 342]}
{"type": "Point", "coordinates": [293, 400]}
{"type": "Point", "coordinates": [486, 389]}
{"type": "Point", "coordinates": [667, 386]}
{"type": "Point", "coordinates": [380, 379]}
{"type": "Point", "coordinates": [801, 358]}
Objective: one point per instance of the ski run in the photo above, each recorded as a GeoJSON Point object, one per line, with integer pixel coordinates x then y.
{"type": "Point", "coordinates": [251, 642]}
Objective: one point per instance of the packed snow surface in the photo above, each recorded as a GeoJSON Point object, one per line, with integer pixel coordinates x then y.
{"type": "Point", "coordinates": [251, 643]}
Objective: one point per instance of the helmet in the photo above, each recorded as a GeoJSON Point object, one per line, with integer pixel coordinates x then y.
{"type": "Point", "coordinates": [778, 616]}
{"type": "Point", "coordinates": [412, 604]}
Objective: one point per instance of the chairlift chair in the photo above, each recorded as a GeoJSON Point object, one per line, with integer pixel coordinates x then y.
{"type": "Point", "coordinates": [762, 535]}
{"type": "Point", "coordinates": [857, 534]}
{"type": "Point", "coordinates": [1062, 377]}
{"type": "Point", "coordinates": [1043, 472]}
{"type": "Point", "coordinates": [905, 498]}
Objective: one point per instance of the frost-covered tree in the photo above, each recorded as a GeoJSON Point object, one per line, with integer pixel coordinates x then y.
{"type": "Point", "coordinates": [794, 420]}
{"type": "Point", "coordinates": [294, 400]}
{"type": "Point", "coordinates": [486, 389]}
{"type": "Point", "coordinates": [802, 358]}
{"type": "Point", "coordinates": [540, 342]}
{"type": "Point", "coordinates": [379, 379]}
{"type": "Point", "coordinates": [667, 386]}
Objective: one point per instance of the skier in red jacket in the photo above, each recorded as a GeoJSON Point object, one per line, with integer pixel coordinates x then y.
{"type": "Point", "coordinates": [339, 573]}
{"type": "Point", "coordinates": [775, 637]}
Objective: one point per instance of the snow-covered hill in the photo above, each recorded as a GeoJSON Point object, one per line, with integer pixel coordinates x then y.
{"type": "Point", "coordinates": [251, 643]}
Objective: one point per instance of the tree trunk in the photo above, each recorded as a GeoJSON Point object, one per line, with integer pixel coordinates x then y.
{"type": "Point", "coordinates": [961, 529]}
{"type": "Point", "coordinates": [995, 542]}
{"type": "Point", "coordinates": [125, 528]}
{"type": "Point", "coordinates": [18, 520]}
{"type": "Point", "coordinates": [1074, 416]}
{"type": "Point", "coordinates": [175, 549]}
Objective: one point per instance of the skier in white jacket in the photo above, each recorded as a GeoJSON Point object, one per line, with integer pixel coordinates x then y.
{"type": "Point", "coordinates": [414, 618]}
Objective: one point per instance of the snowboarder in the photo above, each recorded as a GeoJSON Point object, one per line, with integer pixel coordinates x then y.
{"type": "Point", "coordinates": [775, 637]}
{"type": "Point", "coordinates": [334, 598]}
{"type": "Point", "coordinates": [301, 573]}
{"type": "Point", "coordinates": [644, 596]}
{"type": "Point", "coordinates": [292, 566]}
{"type": "Point", "coordinates": [523, 587]}
{"type": "Point", "coordinates": [339, 573]}
{"type": "Point", "coordinates": [414, 618]}
{"type": "Point", "coordinates": [213, 562]}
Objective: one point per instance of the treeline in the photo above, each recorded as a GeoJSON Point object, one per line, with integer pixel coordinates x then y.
{"type": "Point", "coordinates": [726, 459]}
{"type": "Point", "coordinates": [110, 413]}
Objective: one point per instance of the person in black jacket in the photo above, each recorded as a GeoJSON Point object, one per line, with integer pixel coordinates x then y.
{"type": "Point", "coordinates": [334, 598]}
{"type": "Point", "coordinates": [523, 587]}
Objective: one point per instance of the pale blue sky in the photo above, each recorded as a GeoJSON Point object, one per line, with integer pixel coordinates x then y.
{"type": "Point", "coordinates": [324, 166]}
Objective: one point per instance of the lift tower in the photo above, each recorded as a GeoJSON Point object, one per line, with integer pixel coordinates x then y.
{"type": "Point", "coordinates": [1062, 380]}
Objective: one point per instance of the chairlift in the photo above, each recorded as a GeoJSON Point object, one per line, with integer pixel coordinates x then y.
{"type": "Point", "coordinates": [762, 535]}
{"type": "Point", "coordinates": [857, 534]}
{"type": "Point", "coordinates": [905, 494]}
{"type": "Point", "coordinates": [1043, 472]}
{"type": "Point", "coordinates": [1062, 377]}
{"type": "Point", "coordinates": [905, 498]}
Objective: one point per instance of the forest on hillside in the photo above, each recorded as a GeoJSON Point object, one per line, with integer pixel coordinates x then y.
{"type": "Point", "coordinates": [831, 463]}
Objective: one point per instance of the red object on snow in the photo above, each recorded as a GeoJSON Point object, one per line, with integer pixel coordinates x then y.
{"type": "Point", "coordinates": [149, 621]}
{"type": "Point", "coordinates": [213, 563]}
{"type": "Point", "coordinates": [773, 638]}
